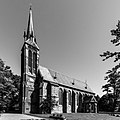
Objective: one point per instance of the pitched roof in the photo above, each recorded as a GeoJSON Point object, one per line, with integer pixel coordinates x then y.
{"type": "Point", "coordinates": [55, 77]}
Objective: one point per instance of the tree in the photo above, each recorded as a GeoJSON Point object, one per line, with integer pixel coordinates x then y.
{"type": "Point", "coordinates": [9, 88]}
{"type": "Point", "coordinates": [106, 103]}
{"type": "Point", "coordinates": [47, 105]}
{"type": "Point", "coordinates": [106, 88]}
{"type": "Point", "coordinates": [113, 76]}
{"type": "Point", "coordinates": [116, 42]}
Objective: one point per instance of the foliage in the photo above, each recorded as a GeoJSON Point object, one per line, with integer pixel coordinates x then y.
{"type": "Point", "coordinates": [116, 42]}
{"type": "Point", "coordinates": [106, 88]}
{"type": "Point", "coordinates": [113, 76]}
{"type": "Point", "coordinates": [106, 103]}
{"type": "Point", "coordinates": [9, 88]}
{"type": "Point", "coordinates": [116, 55]}
{"type": "Point", "coordinates": [113, 80]}
{"type": "Point", "coordinates": [47, 105]}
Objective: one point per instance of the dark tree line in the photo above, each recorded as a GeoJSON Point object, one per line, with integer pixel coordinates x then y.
{"type": "Point", "coordinates": [9, 89]}
{"type": "Point", "coordinates": [106, 103]}
{"type": "Point", "coordinates": [112, 87]}
{"type": "Point", "coordinates": [9, 92]}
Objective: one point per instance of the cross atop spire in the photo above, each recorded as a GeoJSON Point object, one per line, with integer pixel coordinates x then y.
{"type": "Point", "coordinates": [30, 6]}
{"type": "Point", "coordinates": [30, 30]}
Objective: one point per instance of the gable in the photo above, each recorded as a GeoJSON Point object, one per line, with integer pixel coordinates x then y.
{"type": "Point", "coordinates": [32, 43]}
{"type": "Point", "coordinates": [46, 74]}
{"type": "Point", "coordinates": [93, 99]}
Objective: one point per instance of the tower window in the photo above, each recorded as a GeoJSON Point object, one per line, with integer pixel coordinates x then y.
{"type": "Point", "coordinates": [34, 61]}
{"type": "Point", "coordinates": [30, 60]}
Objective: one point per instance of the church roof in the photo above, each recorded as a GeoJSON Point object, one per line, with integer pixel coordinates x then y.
{"type": "Point", "coordinates": [60, 79]}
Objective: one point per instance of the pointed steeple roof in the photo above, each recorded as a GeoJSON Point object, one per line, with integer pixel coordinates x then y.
{"type": "Point", "coordinates": [29, 36]}
{"type": "Point", "coordinates": [30, 30]}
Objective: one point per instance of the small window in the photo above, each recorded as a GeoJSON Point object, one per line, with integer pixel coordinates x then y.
{"type": "Point", "coordinates": [27, 108]}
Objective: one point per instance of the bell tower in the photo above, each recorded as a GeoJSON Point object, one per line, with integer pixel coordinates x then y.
{"type": "Point", "coordinates": [29, 65]}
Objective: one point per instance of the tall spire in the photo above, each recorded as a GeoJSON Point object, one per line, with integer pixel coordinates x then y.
{"type": "Point", "coordinates": [30, 30]}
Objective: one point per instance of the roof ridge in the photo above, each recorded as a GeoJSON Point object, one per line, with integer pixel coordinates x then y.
{"type": "Point", "coordinates": [64, 75]}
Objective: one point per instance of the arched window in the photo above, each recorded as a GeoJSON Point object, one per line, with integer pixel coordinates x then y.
{"type": "Point", "coordinates": [77, 98]}
{"type": "Point", "coordinates": [34, 61]}
{"type": "Point", "coordinates": [60, 96]}
{"type": "Point", "coordinates": [69, 98]}
{"type": "Point", "coordinates": [30, 60]}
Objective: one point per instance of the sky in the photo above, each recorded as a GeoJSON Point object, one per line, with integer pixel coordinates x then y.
{"type": "Point", "coordinates": [71, 35]}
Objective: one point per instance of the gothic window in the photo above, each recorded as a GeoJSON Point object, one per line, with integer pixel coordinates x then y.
{"type": "Point", "coordinates": [92, 107]}
{"type": "Point", "coordinates": [80, 100]}
{"type": "Point", "coordinates": [30, 60]}
{"type": "Point", "coordinates": [69, 98]}
{"type": "Point", "coordinates": [41, 94]}
{"type": "Point", "coordinates": [77, 99]}
{"type": "Point", "coordinates": [60, 96]}
{"type": "Point", "coordinates": [34, 61]}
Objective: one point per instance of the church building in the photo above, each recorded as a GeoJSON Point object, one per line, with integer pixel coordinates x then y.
{"type": "Point", "coordinates": [39, 83]}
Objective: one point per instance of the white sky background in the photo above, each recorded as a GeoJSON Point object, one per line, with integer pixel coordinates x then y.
{"type": "Point", "coordinates": [70, 33]}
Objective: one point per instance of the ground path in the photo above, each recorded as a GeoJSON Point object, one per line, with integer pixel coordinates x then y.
{"type": "Point", "coordinates": [9, 116]}
{"type": "Point", "coordinates": [69, 116]}
{"type": "Point", "coordinates": [84, 116]}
